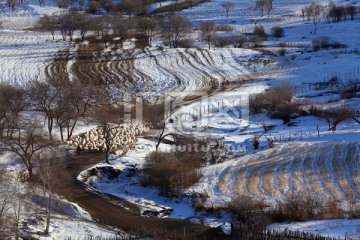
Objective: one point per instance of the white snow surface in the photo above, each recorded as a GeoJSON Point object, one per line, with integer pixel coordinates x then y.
{"type": "Point", "coordinates": [24, 54]}
{"type": "Point", "coordinates": [338, 228]}
{"type": "Point", "coordinates": [263, 174]}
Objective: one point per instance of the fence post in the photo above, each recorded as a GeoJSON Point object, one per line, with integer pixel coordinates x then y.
{"type": "Point", "coordinates": [318, 130]}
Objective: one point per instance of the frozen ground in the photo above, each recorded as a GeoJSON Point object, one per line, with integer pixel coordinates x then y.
{"type": "Point", "coordinates": [68, 219]}
{"type": "Point", "coordinates": [70, 228]}
{"type": "Point", "coordinates": [23, 53]}
{"type": "Point", "coordinates": [342, 229]}
{"type": "Point", "coordinates": [332, 158]}
{"type": "Point", "coordinates": [327, 164]}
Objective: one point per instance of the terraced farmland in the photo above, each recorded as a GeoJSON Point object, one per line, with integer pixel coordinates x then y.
{"type": "Point", "coordinates": [152, 70]}
{"type": "Point", "coordinates": [328, 169]}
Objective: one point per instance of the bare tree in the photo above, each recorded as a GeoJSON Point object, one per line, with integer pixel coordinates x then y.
{"type": "Point", "coordinates": [121, 29]}
{"type": "Point", "coordinates": [191, 2]}
{"type": "Point", "coordinates": [43, 96]}
{"type": "Point", "coordinates": [18, 209]}
{"type": "Point", "coordinates": [63, 115]}
{"type": "Point", "coordinates": [315, 14]}
{"type": "Point", "coordinates": [351, 11]}
{"type": "Point", "coordinates": [109, 119]}
{"type": "Point", "coordinates": [78, 99]}
{"type": "Point", "coordinates": [337, 115]}
{"type": "Point", "coordinates": [81, 22]}
{"type": "Point", "coordinates": [106, 29]}
{"type": "Point", "coordinates": [336, 13]}
{"type": "Point", "coordinates": [262, 6]}
{"type": "Point", "coordinates": [271, 3]}
{"type": "Point", "coordinates": [303, 12]}
{"type": "Point", "coordinates": [175, 28]}
{"type": "Point", "coordinates": [12, 103]}
{"type": "Point", "coordinates": [208, 32]}
{"type": "Point", "coordinates": [47, 174]}
{"type": "Point", "coordinates": [228, 6]}
{"type": "Point", "coordinates": [159, 2]}
{"type": "Point", "coordinates": [25, 143]}
{"type": "Point", "coordinates": [134, 7]}
{"type": "Point", "coordinates": [62, 3]}
{"type": "Point", "coordinates": [109, 131]}
{"type": "Point", "coordinates": [69, 23]}
{"type": "Point", "coordinates": [48, 23]}
{"type": "Point", "coordinates": [11, 4]}
{"type": "Point", "coordinates": [93, 7]}
{"type": "Point", "coordinates": [148, 27]}
{"type": "Point", "coordinates": [162, 134]}
{"type": "Point", "coordinates": [5, 202]}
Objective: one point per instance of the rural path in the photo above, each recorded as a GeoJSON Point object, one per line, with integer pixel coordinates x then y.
{"type": "Point", "coordinates": [120, 213]}
{"type": "Point", "coordinates": [107, 209]}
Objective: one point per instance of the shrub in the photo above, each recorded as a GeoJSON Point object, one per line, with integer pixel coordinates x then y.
{"type": "Point", "coordinates": [353, 204]}
{"type": "Point", "coordinates": [223, 41]}
{"type": "Point", "coordinates": [325, 42]}
{"type": "Point", "coordinates": [272, 98]}
{"type": "Point", "coordinates": [171, 172]}
{"type": "Point", "coordinates": [285, 112]}
{"type": "Point", "coordinates": [351, 10]}
{"type": "Point", "coordinates": [303, 205]}
{"type": "Point", "coordinates": [259, 31]}
{"type": "Point", "coordinates": [256, 141]}
{"type": "Point", "coordinates": [277, 31]}
{"type": "Point", "coordinates": [62, 3]}
{"type": "Point", "coordinates": [236, 41]}
{"type": "Point", "coordinates": [336, 13]}
{"type": "Point", "coordinates": [249, 212]}
{"type": "Point", "coordinates": [224, 28]}
{"type": "Point", "coordinates": [293, 209]}
{"type": "Point", "coordinates": [282, 52]}
{"type": "Point", "coordinates": [322, 42]}
{"type": "Point", "coordinates": [256, 41]}
{"type": "Point", "coordinates": [186, 43]}
{"type": "Point", "coordinates": [240, 41]}
{"type": "Point", "coordinates": [334, 116]}
{"type": "Point", "coordinates": [93, 7]}
{"type": "Point", "coordinates": [350, 89]}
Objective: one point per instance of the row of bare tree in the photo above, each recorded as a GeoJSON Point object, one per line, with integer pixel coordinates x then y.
{"type": "Point", "coordinates": [330, 12]}
{"type": "Point", "coordinates": [174, 29]}
{"type": "Point", "coordinates": [109, 27]}
{"type": "Point", "coordinates": [28, 116]}
{"type": "Point", "coordinates": [62, 105]}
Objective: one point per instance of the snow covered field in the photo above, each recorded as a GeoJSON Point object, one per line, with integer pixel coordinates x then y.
{"type": "Point", "coordinates": [327, 165]}
{"type": "Point", "coordinates": [341, 229]}
{"type": "Point", "coordinates": [24, 55]}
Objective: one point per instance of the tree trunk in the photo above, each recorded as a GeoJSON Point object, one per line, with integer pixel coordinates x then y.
{"type": "Point", "coordinates": [71, 130]}
{"type": "Point", "coordinates": [107, 156]}
{"type": "Point", "coordinates": [48, 215]}
{"type": "Point", "coordinates": [50, 127]}
{"type": "Point", "coordinates": [61, 132]}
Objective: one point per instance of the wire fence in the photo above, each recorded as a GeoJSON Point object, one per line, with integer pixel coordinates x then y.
{"type": "Point", "coordinates": [335, 81]}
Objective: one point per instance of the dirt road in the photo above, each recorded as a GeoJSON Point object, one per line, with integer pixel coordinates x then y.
{"type": "Point", "coordinates": [120, 213]}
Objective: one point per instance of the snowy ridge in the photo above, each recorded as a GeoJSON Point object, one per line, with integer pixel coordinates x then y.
{"type": "Point", "coordinates": [24, 55]}
{"type": "Point", "coordinates": [328, 169]}
{"type": "Point", "coordinates": [153, 70]}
